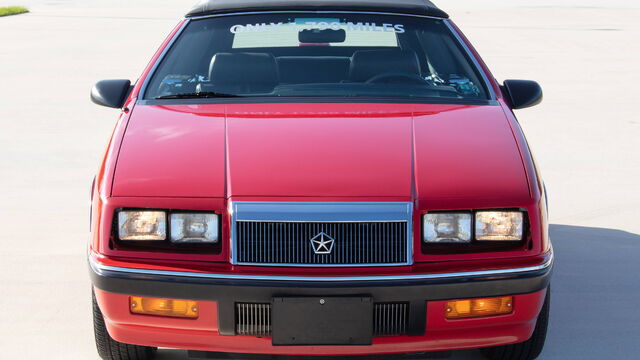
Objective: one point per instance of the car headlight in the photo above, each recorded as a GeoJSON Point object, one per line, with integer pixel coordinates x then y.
{"type": "Point", "coordinates": [447, 228]}
{"type": "Point", "coordinates": [142, 225]}
{"type": "Point", "coordinates": [192, 228]}
{"type": "Point", "coordinates": [499, 225]}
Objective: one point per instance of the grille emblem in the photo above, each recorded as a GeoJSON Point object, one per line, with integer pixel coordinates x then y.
{"type": "Point", "coordinates": [322, 244]}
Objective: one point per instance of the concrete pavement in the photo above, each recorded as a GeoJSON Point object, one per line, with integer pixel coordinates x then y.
{"type": "Point", "coordinates": [585, 136]}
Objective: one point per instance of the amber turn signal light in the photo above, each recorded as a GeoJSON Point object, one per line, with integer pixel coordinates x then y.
{"type": "Point", "coordinates": [163, 307]}
{"type": "Point", "coordinates": [464, 309]}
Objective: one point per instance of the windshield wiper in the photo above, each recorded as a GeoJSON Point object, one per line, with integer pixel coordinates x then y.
{"type": "Point", "coordinates": [198, 95]}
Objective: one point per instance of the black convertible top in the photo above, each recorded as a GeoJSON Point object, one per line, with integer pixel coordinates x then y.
{"type": "Point", "coordinates": [411, 7]}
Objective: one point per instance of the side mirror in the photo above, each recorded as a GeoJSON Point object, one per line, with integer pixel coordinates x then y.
{"type": "Point", "coordinates": [522, 93]}
{"type": "Point", "coordinates": [111, 93]}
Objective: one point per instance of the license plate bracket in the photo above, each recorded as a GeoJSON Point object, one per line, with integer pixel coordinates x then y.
{"type": "Point", "coordinates": [305, 321]}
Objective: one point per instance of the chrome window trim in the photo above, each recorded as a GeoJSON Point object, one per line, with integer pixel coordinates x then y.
{"type": "Point", "coordinates": [152, 72]}
{"type": "Point", "coordinates": [474, 60]}
{"type": "Point", "coordinates": [99, 268]}
{"type": "Point", "coordinates": [329, 216]}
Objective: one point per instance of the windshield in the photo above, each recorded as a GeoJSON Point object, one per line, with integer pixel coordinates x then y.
{"type": "Point", "coordinates": [339, 55]}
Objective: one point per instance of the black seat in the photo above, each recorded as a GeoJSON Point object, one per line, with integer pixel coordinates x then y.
{"type": "Point", "coordinates": [241, 73]}
{"type": "Point", "coordinates": [366, 64]}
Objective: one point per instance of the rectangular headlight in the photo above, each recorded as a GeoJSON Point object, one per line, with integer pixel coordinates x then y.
{"type": "Point", "coordinates": [499, 225]}
{"type": "Point", "coordinates": [447, 228]}
{"type": "Point", "coordinates": [194, 228]}
{"type": "Point", "coordinates": [142, 225]}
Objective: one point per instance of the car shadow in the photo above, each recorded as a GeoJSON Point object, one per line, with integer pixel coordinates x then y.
{"type": "Point", "coordinates": [594, 312]}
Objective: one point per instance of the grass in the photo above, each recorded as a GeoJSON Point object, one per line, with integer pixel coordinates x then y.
{"type": "Point", "coordinates": [12, 10]}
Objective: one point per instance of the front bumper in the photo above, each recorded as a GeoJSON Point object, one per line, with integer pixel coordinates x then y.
{"type": "Point", "coordinates": [215, 329]}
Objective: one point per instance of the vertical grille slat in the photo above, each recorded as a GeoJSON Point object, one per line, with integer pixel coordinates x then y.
{"type": "Point", "coordinates": [390, 319]}
{"type": "Point", "coordinates": [289, 243]}
{"type": "Point", "coordinates": [253, 319]}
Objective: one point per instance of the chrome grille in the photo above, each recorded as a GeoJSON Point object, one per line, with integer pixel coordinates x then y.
{"type": "Point", "coordinates": [390, 319]}
{"type": "Point", "coordinates": [289, 243]}
{"type": "Point", "coordinates": [253, 319]}
{"type": "Point", "coordinates": [283, 233]}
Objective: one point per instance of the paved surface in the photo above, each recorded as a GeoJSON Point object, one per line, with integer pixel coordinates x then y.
{"type": "Point", "coordinates": [585, 136]}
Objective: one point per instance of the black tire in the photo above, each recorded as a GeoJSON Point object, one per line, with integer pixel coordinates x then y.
{"type": "Point", "coordinates": [110, 349]}
{"type": "Point", "coordinates": [529, 349]}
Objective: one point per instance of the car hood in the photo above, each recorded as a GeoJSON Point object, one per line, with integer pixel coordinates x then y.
{"type": "Point", "coordinates": [433, 153]}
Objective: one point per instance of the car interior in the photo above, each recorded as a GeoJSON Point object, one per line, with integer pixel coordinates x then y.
{"type": "Point", "coordinates": [417, 63]}
{"type": "Point", "coordinates": [245, 72]}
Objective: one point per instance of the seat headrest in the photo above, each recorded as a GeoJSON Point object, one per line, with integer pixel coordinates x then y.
{"type": "Point", "coordinates": [366, 64]}
{"type": "Point", "coordinates": [243, 72]}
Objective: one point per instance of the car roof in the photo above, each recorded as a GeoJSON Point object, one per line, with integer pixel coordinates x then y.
{"type": "Point", "coordinates": [410, 7]}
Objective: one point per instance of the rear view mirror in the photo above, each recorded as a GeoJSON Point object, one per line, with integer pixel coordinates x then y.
{"type": "Point", "coordinates": [317, 36]}
{"type": "Point", "coordinates": [522, 93]}
{"type": "Point", "coordinates": [111, 93]}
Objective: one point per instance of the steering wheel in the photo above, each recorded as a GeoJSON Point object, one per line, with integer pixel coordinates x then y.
{"type": "Point", "coordinates": [391, 77]}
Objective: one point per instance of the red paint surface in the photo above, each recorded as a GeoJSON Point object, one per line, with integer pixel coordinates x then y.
{"type": "Point", "coordinates": [201, 334]}
{"type": "Point", "coordinates": [172, 152]}
{"type": "Point", "coordinates": [459, 156]}
{"type": "Point", "coordinates": [467, 158]}
{"type": "Point", "coordinates": [337, 150]}
{"type": "Point", "coordinates": [442, 157]}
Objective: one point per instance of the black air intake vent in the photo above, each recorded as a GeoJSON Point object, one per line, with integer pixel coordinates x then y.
{"type": "Point", "coordinates": [253, 320]}
{"type": "Point", "coordinates": [390, 319]}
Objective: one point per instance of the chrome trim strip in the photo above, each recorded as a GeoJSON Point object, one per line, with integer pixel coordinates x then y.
{"type": "Point", "coordinates": [318, 221]}
{"type": "Point", "coordinates": [322, 212]}
{"type": "Point", "coordinates": [473, 59]}
{"type": "Point", "coordinates": [99, 268]}
{"type": "Point", "coordinates": [147, 79]}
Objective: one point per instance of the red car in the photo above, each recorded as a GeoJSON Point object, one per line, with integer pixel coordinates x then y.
{"type": "Point", "coordinates": [318, 177]}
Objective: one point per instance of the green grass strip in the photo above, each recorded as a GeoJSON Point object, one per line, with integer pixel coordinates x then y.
{"type": "Point", "coordinates": [12, 10]}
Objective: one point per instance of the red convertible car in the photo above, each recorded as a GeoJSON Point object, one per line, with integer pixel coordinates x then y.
{"type": "Point", "coordinates": [318, 177]}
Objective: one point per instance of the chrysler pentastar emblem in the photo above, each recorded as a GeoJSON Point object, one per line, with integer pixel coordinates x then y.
{"type": "Point", "coordinates": [322, 244]}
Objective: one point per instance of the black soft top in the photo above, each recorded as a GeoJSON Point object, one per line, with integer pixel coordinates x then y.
{"type": "Point", "coordinates": [411, 7]}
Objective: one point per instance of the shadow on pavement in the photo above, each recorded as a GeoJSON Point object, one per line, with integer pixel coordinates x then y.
{"type": "Point", "coordinates": [595, 312]}
{"type": "Point", "coordinates": [596, 290]}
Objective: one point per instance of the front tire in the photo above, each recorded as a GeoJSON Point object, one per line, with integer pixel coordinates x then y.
{"type": "Point", "coordinates": [529, 349]}
{"type": "Point", "coordinates": [110, 349]}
